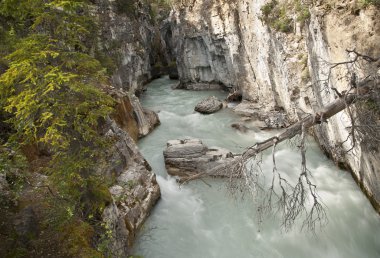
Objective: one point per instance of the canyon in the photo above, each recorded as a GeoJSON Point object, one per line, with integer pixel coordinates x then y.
{"type": "Point", "coordinates": [227, 45]}
{"type": "Point", "coordinates": [270, 63]}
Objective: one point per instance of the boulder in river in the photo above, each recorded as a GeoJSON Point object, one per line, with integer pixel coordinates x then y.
{"type": "Point", "coordinates": [208, 106]}
{"type": "Point", "coordinates": [190, 156]}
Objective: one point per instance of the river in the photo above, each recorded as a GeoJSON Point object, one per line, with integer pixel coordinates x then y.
{"type": "Point", "coordinates": [200, 221]}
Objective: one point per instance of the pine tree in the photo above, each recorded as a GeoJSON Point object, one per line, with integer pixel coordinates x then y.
{"type": "Point", "coordinates": [50, 90]}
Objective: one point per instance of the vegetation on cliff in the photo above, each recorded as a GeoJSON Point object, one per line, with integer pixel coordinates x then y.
{"type": "Point", "coordinates": [52, 102]}
{"type": "Point", "coordinates": [281, 15]}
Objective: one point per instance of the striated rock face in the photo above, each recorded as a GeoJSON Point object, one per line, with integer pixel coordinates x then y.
{"type": "Point", "coordinates": [132, 117]}
{"type": "Point", "coordinates": [208, 106]}
{"type": "Point", "coordinates": [126, 41]}
{"type": "Point", "coordinates": [190, 156]}
{"type": "Point", "coordinates": [129, 44]}
{"type": "Point", "coordinates": [129, 47]}
{"type": "Point", "coordinates": [146, 119]}
{"type": "Point", "coordinates": [134, 194]}
{"type": "Point", "coordinates": [228, 43]}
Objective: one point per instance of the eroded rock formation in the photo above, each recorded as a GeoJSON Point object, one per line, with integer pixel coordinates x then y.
{"type": "Point", "coordinates": [229, 43]}
{"type": "Point", "coordinates": [129, 45]}
{"type": "Point", "coordinates": [189, 157]}
{"type": "Point", "coordinates": [134, 194]}
{"type": "Point", "coordinates": [208, 106]}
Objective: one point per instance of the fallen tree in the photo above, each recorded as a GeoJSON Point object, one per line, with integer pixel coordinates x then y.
{"type": "Point", "coordinates": [292, 200]}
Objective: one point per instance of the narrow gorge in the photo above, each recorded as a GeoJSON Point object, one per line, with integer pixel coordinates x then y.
{"type": "Point", "coordinates": [103, 155]}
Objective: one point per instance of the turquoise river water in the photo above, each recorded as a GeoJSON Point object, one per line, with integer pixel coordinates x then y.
{"type": "Point", "coordinates": [200, 221]}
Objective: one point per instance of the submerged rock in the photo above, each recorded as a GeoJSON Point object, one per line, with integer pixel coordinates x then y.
{"type": "Point", "coordinates": [190, 156]}
{"type": "Point", "coordinates": [209, 105]}
{"type": "Point", "coordinates": [240, 127]}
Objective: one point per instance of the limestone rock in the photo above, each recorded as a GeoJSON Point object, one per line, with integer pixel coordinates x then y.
{"type": "Point", "coordinates": [152, 119]}
{"type": "Point", "coordinates": [209, 105]}
{"type": "Point", "coordinates": [190, 156]}
{"type": "Point", "coordinates": [248, 109]}
{"type": "Point", "coordinates": [146, 119]}
{"type": "Point", "coordinates": [134, 193]}
{"type": "Point", "coordinates": [272, 68]}
{"type": "Point", "coordinates": [131, 40]}
{"type": "Point", "coordinates": [131, 116]}
{"type": "Point", "coordinates": [271, 119]}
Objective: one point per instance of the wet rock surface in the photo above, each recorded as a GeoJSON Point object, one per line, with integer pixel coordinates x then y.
{"type": "Point", "coordinates": [190, 156]}
{"type": "Point", "coordinates": [208, 106]}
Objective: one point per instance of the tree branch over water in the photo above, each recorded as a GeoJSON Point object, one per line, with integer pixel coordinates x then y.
{"type": "Point", "coordinates": [301, 199]}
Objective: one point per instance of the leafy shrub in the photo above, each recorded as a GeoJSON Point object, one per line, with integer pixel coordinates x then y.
{"type": "Point", "coordinates": [275, 16]}
{"type": "Point", "coordinates": [279, 15]}
{"type": "Point", "coordinates": [127, 7]}
{"type": "Point", "coordinates": [370, 2]}
{"type": "Point", "coordinates": [268, 8]}
{"type": "Point", "coordinates": [303, 13]}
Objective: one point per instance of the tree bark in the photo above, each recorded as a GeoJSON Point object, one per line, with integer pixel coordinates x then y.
{"type": "Point", "coordinates": [307, 122]}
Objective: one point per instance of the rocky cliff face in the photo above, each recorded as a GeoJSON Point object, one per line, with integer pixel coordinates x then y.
{"type": "Point", "coordinates": [134, 193]}
{"type": "Point", "coordinates": [228, 43]}
{"type": "Point", "coordinates": [127, 37]}
{"type": "Point", "coordinates": [128, 47]}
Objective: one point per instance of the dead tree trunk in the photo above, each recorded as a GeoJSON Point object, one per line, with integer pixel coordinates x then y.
{"type": "Point", "coordinates": [325, 113]}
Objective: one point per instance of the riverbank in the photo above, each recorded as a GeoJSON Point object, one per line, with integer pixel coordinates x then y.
{"type": "Point", "coordinates": [201, 221]}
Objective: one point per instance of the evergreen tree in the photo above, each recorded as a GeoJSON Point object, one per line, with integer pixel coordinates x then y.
{"type": "Point", "coordinates": [51, 94]}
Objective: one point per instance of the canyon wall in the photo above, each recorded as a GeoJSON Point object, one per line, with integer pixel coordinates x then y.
{"type": "Point", "coordinates": [127, 47]}
{"type": "Point", "coordinates": [229, 43]}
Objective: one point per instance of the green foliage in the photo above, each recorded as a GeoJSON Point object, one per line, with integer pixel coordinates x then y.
{"type": "Point", "coordinates": [373, 105]}
{"type": "Point", "coordinates": [275, 15]}
{"type": "Point", "coordinates": [172, 64]}
{"type": "Point", "coordinates": [158, 9]}
{"type": "Point", "coordinates": [268, 8]}
{"type": "Point", "coordinates": [127, 7]}
{"type": "Point", "coordinates": [283, 23]}
{"type": "Point", "coordinates": [11, 164]}
{"type": "Point", "coordinates": [107, 60]}
{"type": "Point", "coordinates": [77, 237]}
{"type": "Point", "coordinates": [279, 16]}
{"type": "Point", "coordinates": [303, 13]}
{"type": "Point", "coordinates": [51, 97]}
{"type": "Point", "coordinates": [366, 3]}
